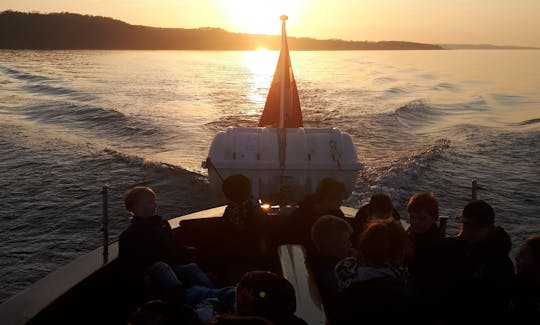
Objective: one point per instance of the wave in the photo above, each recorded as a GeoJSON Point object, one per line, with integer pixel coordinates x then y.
{"type": "Point", "coordinates": [85, 116]}
{"type": "Point", "coordinates": [511, 100]}
{"type": "Point", "coordinates": [35, 85]}
{"type": "Point", "coordinates": [398, 179]}
{"type": "Point", "coordinates": [446, 86]}
{"type": "Point", "coordinates": [22, 75]}
{"type": "Point", "coordinates": [137, 161]}
{"type": "Point", "coordinates": [416, 113]}
{"type": "Point", "coordinates": [415, 107]}
{"type": "Point", "coordinates": [529, 122]}
{"type": "Point", "coordinates": [234, 121]}
{"type": "Point", "coordinates": [50, 90]}
{"type": "Point", "coordinates": [384, 80]}
{"type": "Point", "coordinates": [396, 91]}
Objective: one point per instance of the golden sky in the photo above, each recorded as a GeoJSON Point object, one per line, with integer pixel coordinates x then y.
{"type": "Point", "coordinates": [500, 22]}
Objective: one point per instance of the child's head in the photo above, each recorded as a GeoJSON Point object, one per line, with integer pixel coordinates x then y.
{"type": "Point", "coordinates": [331, 236]}
{"type": "Point", "coordinates": [383, 242]}
{"type": "Point", "coordinates": [140, 201]}
{"type": "Point", "coordinates": [423, 209]}
{"type": "Point", "coordinates": [528, 258]}
{"type": "Point", "coordinates": [265, 294]}
{"type": "Point", "coordinates": [380, 206]}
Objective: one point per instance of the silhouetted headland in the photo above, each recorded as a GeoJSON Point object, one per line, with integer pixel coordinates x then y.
{"type": "Point", "coordinates": [73, 31]}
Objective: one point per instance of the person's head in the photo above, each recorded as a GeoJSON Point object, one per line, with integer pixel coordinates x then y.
{"type": "Point", "coordinates": [383, 242]}
{"type": "Point", "coordinates": [236, 188]}
{"type": "Point", "coordinates": [330, 194]}
{"type": "Point", "coordinates": [140, 201]}
{"type": "Point", "coordinates": [331, 236]}
{"type": "Point", "coordinates": [265, 294]}
{"type": "Point", "coordinates": [528, 258]}
{"type": "Point", "coordinates": [477, 221]}
{"type": "Point", "coordinates": [380, 206]}
{"type": "Point", "coordinates": [159, 312]}
{"type": "Point", "coordinates": [423, 209]}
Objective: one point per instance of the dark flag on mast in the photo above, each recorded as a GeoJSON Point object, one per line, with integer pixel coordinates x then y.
{"type": "Point", "coordinates": [288, 96]}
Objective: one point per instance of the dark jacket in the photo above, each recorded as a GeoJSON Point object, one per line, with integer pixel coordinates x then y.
{"type": "Point", "coordinates": [478, 278]}
{"type": "Point", "coordinates": [426, 261]}
{"type": "Point", "coordinates": [303, 218]}
{"type": "Point", "coordinates": [372, 295]}
{"type": "Point", "coordinates": [146, 241]}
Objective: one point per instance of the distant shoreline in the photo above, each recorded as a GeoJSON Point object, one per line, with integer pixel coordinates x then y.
{"type": "Point", "coordinates": [68, 31]}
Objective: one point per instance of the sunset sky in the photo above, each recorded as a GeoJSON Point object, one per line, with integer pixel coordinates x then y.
{"type": "Point", "coordinates": [500, 22]}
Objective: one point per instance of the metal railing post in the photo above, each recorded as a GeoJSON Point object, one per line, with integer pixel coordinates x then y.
{"type": "Point", "coordinates": [474, 189]}
{"type": "Point", "coordinates": [105, 229]}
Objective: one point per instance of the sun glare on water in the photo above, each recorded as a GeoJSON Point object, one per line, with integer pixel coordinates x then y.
{"type": "Point", "coordinates": [261, 16]}
{"type": "Point", "coordinates": [261, 65]}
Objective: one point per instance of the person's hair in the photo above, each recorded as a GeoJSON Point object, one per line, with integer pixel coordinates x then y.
{"type": "Point", "coordinates": [134, 194]}
{"type": "Point", "coordinates": [426, 201]}
{"type": "Point", "coordinates": [380, 205]}
{"type": "Point", "coordinates": [265, 294]}
{"type": "Point", "coordinates": [236, 188]}
{"type": "Point", "coordinates": [478, 213]}
{"type": "Point", "coordinates": [329, 188]}
{"type": "Point", "coordinates": [384, 241]}
{"type": "Point", "coordinates": [533, 242]}
{"type": "Point", "coordinates": [326, 228]}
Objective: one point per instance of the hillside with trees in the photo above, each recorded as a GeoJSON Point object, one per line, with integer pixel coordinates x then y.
{"type": "Point", "coordinates": [74, 31]}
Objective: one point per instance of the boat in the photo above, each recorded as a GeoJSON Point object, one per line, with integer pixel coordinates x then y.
{"type": "Point", "coordinates": [283, 161]}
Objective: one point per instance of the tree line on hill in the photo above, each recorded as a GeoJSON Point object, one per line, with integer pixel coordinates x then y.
{"type": "Point", "coordinates": [20, 30]}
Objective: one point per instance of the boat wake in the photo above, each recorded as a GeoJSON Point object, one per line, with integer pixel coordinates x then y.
{"type": "Point", "coordinates": [396, 177]}
{"type": "Point", "coordinates": [143, 163]}
{"type": "Point", "coordinates": [85, 117]}
{"type": "Point", "coordinates": [529, 122]}
{"type": "Point", "coordinates": [20, 75]}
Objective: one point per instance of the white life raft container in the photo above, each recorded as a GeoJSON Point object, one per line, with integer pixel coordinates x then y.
{"type": "Point", "coordinates": [310, 155]}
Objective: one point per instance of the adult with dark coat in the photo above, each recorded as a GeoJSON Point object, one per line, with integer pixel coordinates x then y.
{"type": "Point", "coordinates": [479, 271]}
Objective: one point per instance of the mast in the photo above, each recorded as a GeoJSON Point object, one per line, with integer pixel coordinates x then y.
{"type": "Point", "coordinates": [282, 132]}
{"type": "Point", "coordinates": [284, 70]}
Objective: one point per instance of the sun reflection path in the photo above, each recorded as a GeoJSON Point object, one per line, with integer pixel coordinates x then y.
{"type": "Point", "coordinates": [261, 65]}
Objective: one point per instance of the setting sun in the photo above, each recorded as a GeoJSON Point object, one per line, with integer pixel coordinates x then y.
{"type": "Point", "coordinates": [261, 16]}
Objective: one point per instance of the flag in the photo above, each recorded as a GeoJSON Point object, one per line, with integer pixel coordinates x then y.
{"type": "Point", "coordinates": [291, 103]}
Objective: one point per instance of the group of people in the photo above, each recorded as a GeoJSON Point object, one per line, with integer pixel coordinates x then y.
{"type": "Point", "coordinates": [378, 269]}
{"type": "Point", "coordinates": [372, 268]}
{"type": "Point", "coordinates": [177, 291]}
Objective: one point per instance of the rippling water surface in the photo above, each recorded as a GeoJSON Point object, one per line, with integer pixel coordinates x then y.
{"type": "Point", "coordinates": [71, 121]}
